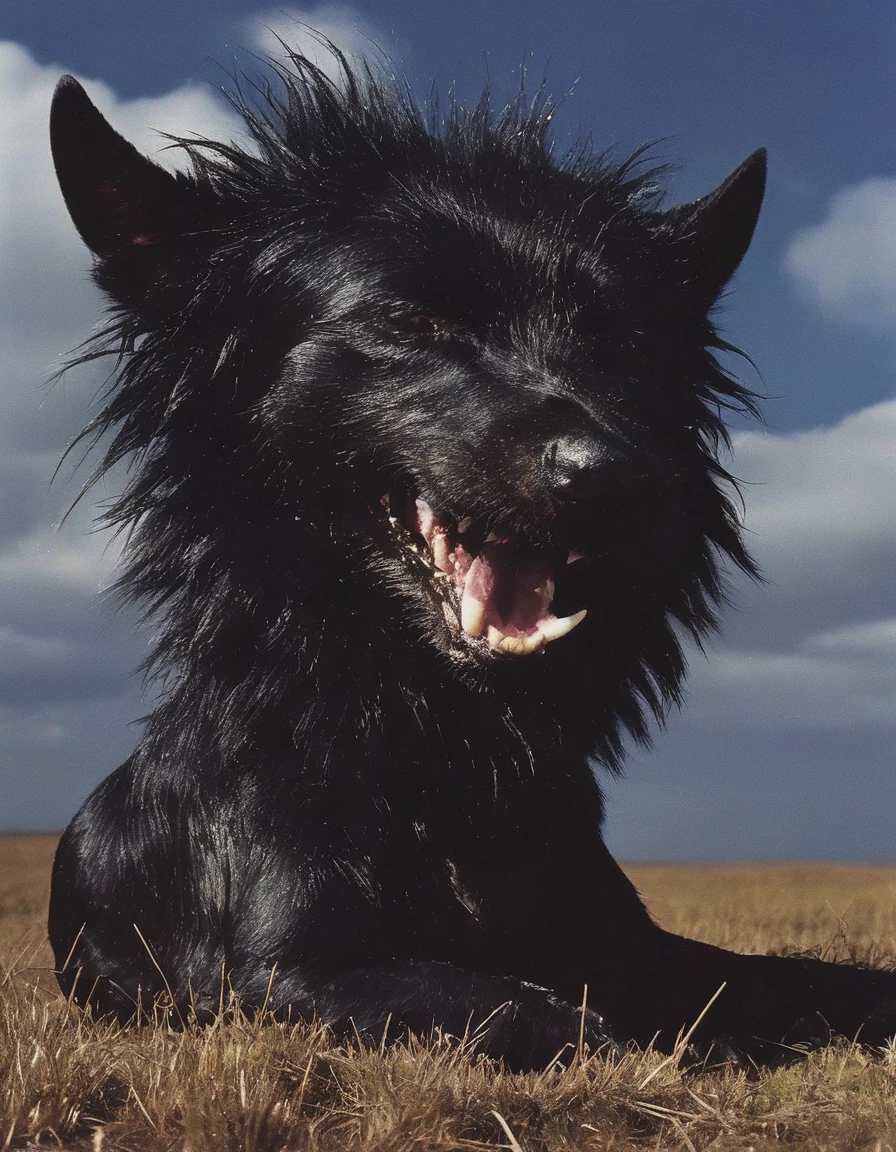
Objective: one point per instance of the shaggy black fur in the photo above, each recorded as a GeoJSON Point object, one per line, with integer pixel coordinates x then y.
{"type": "Point", "coordinates": [396, 398]}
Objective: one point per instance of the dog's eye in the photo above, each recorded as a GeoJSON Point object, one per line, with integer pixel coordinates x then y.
{"type": "Point", "coordinates": [411, 325]}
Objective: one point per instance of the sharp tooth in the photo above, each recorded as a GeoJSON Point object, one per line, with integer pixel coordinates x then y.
{"type": "Point", "coordinates": [526, 645]}
{"type": "Point", "coordinates": [472, 616]}
{"type": "Point", "coordinates": [515, 645]}
{"type": "Point", "coordinates": [464, 525]}
{"type": "Point", "coordinates": [491, 538]}
{"type": "Point", "coordinates": [573, 556]}
{"type": "Point", "coordinates": [554, 629]}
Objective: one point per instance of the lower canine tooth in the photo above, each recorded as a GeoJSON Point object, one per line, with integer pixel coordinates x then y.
{"type": "Point", "coordinates": [554, 629]}
{"type": "Point", "coordinates": [464, 525]}
{"type": "Point", "coordinates": [526, 645]}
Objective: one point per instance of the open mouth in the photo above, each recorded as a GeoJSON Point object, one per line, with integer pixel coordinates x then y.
{"type": "Point", "coordinates": [495, 589]}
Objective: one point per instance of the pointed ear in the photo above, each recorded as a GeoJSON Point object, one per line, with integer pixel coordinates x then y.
{"type": "Point", "coordinates": [127, 209]}
{"type": "Point", "coordinates": [718, 227]}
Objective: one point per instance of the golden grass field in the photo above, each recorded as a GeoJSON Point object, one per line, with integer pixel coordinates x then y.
{"type": "Point", "coordinates": [69, 1083]}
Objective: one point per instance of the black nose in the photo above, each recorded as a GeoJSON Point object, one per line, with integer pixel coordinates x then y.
{"type": "Point", "coordinates": [577, 466]}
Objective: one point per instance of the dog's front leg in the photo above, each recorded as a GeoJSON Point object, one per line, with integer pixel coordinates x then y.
{"type": "Point", "coordinates": [527, 1026]}
{"type": "Point", "coordinates": [772, 1005]}
{"type": "Point", "coordinates": [650, 984]}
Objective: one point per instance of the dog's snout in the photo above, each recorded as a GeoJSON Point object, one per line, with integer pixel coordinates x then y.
{"type": "Point", "coordinates": [576, 466]}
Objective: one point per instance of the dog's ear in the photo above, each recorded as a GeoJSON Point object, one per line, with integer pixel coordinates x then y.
{"type": "Point", "coordinates": [717, 228]}
{"type": "Point", "coordinates": [128, 210]}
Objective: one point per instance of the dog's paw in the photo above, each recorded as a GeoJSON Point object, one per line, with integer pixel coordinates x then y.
{"type": "Point", "coordinates": [749, 1051]}
{"type": "Point", "coordinates": [880, 1026]}
{"type": "Point", "coordinates": [537, 1031]}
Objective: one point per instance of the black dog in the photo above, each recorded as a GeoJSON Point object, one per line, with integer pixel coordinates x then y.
{"type": "Point", "coordinates": [422, 429]}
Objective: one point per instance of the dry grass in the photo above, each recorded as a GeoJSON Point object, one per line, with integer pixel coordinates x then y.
{"type": "Point", "coordinates": [841, 910]}
{"type": "Point", "coordinates": [67, 1082]}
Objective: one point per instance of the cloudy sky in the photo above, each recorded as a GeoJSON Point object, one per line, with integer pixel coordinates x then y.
{"type": "Point", "coordinates": [786, 749]}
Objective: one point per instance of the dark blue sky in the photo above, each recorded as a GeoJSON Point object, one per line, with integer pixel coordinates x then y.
{"type": "Point", "coordinates": [787, 748]}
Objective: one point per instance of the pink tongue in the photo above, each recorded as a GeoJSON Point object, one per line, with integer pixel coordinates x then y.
{"type": "Point", "coordinates": [506, 591]}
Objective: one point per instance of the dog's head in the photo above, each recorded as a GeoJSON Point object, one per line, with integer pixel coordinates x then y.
{"type": "Point", "coordinates": [440, 361]}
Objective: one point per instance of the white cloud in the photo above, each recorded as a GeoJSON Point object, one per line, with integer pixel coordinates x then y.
{"type": "Point", "coordinates": [876, 640]}
{"type": "Point", "coordinates": [847, 264]}
{"type": "Point", "coordinates": [58, 646]}
{"type": "Point", "coordinates": [834, 486]}
{"type": "Point", "coordinates": [786, 745]}
{"type": "Point", "coordinates": [47, 303]}
{"type": "Point", "coordinates": [31, 209]}
{"type": "Point", "coordinates": [303, 30]}
{"type": "Point", "coordinates": [53, 559]}
{"type": "Point", "coordinates": [809, 688]}
{"type": "Point", "coordinates": [818, 642]}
